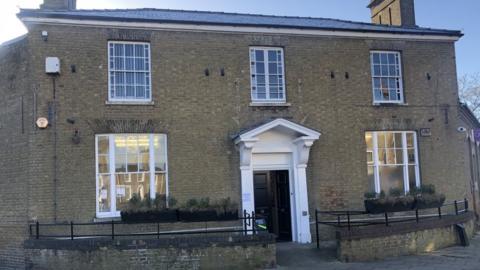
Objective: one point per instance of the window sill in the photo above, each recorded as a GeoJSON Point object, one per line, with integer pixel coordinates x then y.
{"type": "Point", "coordinates": [270, 104]}
{"type": "Point", "coordinates": [389, 104]}
{"type": "Point", "coordinates": [130, 103]}
{"type": "Point", "coordinates": [106, 219]}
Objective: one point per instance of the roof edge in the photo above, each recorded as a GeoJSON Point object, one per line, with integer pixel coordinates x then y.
{"type": "Point", "coordinates": [37, 13]}
{"type": "Point", "coordinates": [469, 114]}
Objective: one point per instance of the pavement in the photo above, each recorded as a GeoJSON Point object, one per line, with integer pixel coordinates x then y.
{"type": "Point", "coordinates": [294, 256]}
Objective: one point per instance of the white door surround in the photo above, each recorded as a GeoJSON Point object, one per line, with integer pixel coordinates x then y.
{"type": "Point", "coordinates": [279, 145]}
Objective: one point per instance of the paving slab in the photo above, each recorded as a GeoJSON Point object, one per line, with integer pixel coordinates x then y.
{"type": "Point", "coordinates": [295, 256]}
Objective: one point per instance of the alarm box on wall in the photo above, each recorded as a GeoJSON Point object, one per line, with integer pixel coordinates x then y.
{"type": "Point", "coordinates": [52, 65]}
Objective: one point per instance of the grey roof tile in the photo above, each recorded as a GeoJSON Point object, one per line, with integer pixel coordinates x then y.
{"type": "Point", "coordinates": [221, 18]}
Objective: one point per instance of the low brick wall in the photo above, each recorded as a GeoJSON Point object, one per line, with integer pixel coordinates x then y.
{"type": "Point", "coordinates": [378, 242]}
{"type": "Point", "coordinates": [193, 252]}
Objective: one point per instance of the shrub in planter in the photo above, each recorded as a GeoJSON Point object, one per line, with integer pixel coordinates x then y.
{"type": "Point", "coordinates": [426, 201]}
{"type": "Point", "coordinates": [399, 204]}
{"type": "Point", "coordinates": [227, 210]}
{"type": "Point", "coordinates": [394, 202]}
{"type": "Point", "coordinates": [197, 210]}
{"type": "Point", "coordinates": [148, 210]}
{"type": "Point", "coordinates": [375, 202]}
{"type": "Point", "coordinates": [426, 197]}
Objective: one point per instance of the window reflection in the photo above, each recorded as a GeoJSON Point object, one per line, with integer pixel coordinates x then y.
{"type": "Point", "coordinates": [136, 158]}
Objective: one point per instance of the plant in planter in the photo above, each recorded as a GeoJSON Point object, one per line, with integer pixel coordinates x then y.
{"type": "Point", "coordinates": [396, 201]}
{"type": "Point", "coordinates": [226, 209]}
{"type": "Point", "coordinates": [426, 197]}
{"type": "Point", "coordinates": [374, 202]}
{"type": "Point", "coordinates": [197, 210]}
{"type": "Point", "coordinates": [150, 210]}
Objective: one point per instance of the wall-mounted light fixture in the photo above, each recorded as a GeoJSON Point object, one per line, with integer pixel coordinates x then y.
{"type": "Point", "coordinates": [222, 72]}
{"type": "Point", "coordinates": [207, 72]}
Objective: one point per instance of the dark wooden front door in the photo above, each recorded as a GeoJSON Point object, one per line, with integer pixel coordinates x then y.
{"type": "Point", "coordinates": [272, 202]}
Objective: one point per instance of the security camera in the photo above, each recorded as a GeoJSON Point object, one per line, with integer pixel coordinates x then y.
{"type": "Point", "coordinates": [461, 129]}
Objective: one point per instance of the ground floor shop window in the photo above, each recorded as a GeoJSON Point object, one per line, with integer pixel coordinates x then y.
{"type": "Point", "coordinates": [392, 160]}
{"type": "Point", "coordinates": [129, 164]}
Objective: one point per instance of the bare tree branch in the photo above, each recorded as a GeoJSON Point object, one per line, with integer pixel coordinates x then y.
{"type": "Point", "coordinates": [469, 92]}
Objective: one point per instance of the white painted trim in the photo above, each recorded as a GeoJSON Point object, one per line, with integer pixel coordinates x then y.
{"type": "Point", "coordinates": [400, 77]}
{"type": "Point", "coordinates": [312, 134]}
{"type": "Point", "coordinates": [237, 29]}
{"type": "Point", "coordinates": [405, 164]}
{"type": "Point", "coordinates": [299, 155]}
{"type": "Point", "coordinates": [406, 177]}
{"type": "Point", "coordinates": [113, 189]}
{"type": "Point", "coordinates": [269, 104]}
{"type": "Point", "coordinates": [266, 74]}
{"type": "Point", "coordinates": [136, 101]}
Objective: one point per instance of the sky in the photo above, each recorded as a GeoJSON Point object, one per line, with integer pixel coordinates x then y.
{"type": "Point", "coordinates": [445, 14]}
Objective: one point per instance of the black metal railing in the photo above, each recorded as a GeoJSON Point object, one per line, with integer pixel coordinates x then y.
{"type": "Point", "coordinates": [350, 219]}
{"type": "Point", "coordinates": [37, 230]}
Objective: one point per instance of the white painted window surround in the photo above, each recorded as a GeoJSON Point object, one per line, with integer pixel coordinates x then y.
{"type": "Point", "coordinates": [387, 75]}
{"type": "Point", "coordinates": [129, 71]}
{"type": "Point", "coordinates": [267, 75]}
{"type": "Point", "coordinates": [128, 164]}
{"type": "Point", "coordinates": [392, 160]}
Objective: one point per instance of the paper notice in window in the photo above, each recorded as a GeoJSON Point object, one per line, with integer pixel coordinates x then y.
{"type": "Point", "coordinates": [103, 194]}
{"type": "Point", "coordinates": [121, 191]}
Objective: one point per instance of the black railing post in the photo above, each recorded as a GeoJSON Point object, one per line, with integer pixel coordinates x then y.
{"type": "Point", "coordinates": [456, 207]}
{"type": "Point", "coordinates": [316, 228]}
{"type": "Point", "coordinates": [440, 212]}
{"type": "Point", "coordinates": [158, 230]}
{"type": "Point", "coordinates": [37, 230]}
{"type": "Point", "coordinates": [113, 229]}
{"type": "Point", "coordinates": [244, 222]}
{"type": "Point", "coordinates": [253, 222]}
{"type": "Point", "coordinates": [416, 216]}
{"type": "Point", "coordinates": [338, 221]}
{"type": "Point", "coordinates": [386, 219]}
{"type": "Point", "coordinates": [348, 220]}
{"type": "Point", "coordinates": [71, 230]}
{"type": "Point", "coordinates": [466, 205]}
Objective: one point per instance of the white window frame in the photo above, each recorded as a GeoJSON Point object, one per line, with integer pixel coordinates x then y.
{"type": "Point", "coordinates": [130, 100]}
{"type": "Point", "coordinates": [400, 78]}
{"type": "Point", "coordinates": [113, 187]}
{"type": "Point", "coordinates": [267, 86]}
{"type": "Point", "coordinates": [405, 164]}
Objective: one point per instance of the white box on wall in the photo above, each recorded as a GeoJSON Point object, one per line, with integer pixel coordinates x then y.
{"type": "Point", "coordinates": [52, 65]}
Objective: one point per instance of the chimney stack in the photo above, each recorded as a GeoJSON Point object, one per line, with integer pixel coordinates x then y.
{"type": "Point", "coordinates": [59, 4]}
{"type": "Point", "coordinates": [393, 12]}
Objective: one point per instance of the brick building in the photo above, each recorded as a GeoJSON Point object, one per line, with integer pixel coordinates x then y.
{"type": "Point", "coordinates": [193, 104]}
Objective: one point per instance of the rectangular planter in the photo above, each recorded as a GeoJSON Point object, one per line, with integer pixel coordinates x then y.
{"type": "Point", "coordinates": [232, 215]}
{"type": "Point", "coordinates": [378, 206]}
{"type": "Point", "coordinates": [163, 216]}
{"type": "Point", "coordinates": [197, 216]}
{"type": "Point", "coordinates": [421, 203]}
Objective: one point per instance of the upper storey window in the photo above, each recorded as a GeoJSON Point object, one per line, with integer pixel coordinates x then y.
{"type": "Point", "coordinates": [386, 77]}
{"type": "Point", "coordinates": [129, 71]}
{"type": "Point", "coordinates": [268, 75]}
